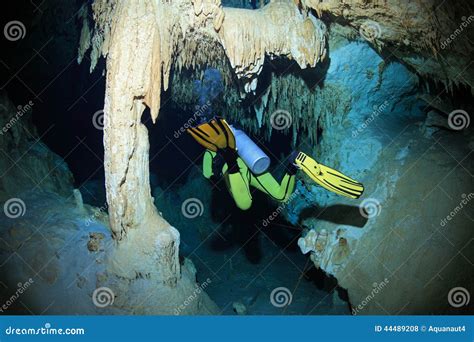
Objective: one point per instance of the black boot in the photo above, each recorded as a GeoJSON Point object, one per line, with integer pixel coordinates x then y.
{"type": "Point", "coordinates": [230, 156]}
{"type": "Point", "coordinates": [291, 167]}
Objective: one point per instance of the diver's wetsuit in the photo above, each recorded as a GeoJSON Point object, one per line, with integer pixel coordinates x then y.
{"type": "Point", "coordinates": [241, 178]}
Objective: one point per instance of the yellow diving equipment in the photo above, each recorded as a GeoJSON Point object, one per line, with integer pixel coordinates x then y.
{"type": "Point", "coordinates": [214, 135]}
{"type": "Point", "coordinates": [328, 178]}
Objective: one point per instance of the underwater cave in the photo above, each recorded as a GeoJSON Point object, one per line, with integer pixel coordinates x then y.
{"type": "Point", "coordinates": [180, 157]}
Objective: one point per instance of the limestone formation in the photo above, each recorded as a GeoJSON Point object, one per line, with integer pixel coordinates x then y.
{"type": "Point", "coordinates": [276, 30]}
{"type": "Point", "coordinates": [434, 37]}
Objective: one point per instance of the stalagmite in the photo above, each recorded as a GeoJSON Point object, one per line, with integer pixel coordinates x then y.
{"type": "Point", "coordinates": [132, 78]}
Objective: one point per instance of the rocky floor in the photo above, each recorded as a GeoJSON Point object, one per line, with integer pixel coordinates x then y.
{"type": "Point", "coordinates": [239, 286]}
{"type": "Point", "coordinates": [58, 246]}
{"type": "Point", "coordinates": [54, 258]}
{"type": "Point", "coordinates": [245, 260]}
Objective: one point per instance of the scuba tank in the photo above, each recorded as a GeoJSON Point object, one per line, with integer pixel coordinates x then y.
{"type": "Point", "coordinates": [253, 156]}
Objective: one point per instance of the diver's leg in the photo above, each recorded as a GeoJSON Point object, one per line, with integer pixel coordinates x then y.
{"type": "Point", "coordinates": [239, 189]}
{"type": "Point", "coordinates": [278, 191]}
{"type": "Point", "coordinates": [207, 163]}
{"type": "Point", "coordinates": [237, 178]}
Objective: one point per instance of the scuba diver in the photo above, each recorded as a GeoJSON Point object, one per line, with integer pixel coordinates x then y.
{"type": "Point", "coordinates": [231, 153]}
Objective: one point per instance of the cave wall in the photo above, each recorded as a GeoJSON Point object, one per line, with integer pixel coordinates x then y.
{"type": "Point", "coordinates": [389, 249]}
{"type": "Point", "coordinates": [431, 36]}
{"type": "Point", "coordinates": [27, 164]}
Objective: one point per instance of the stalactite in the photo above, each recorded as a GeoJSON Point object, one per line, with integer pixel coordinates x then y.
{"type": "Point", "coordinates": [289, 93]}
{"type": "Point", "coordinates": [261, 106]}
{"type": "Point", "coordinates": [204, 27]}
{"type": "Point", "coordinates": [278, 29]}
{"type": "Point", "coordinates": [85, 40]}
{"type": "Point", "coordinates": [104, 14]}
{"type": "Point", "coordinates": [226, 104]}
